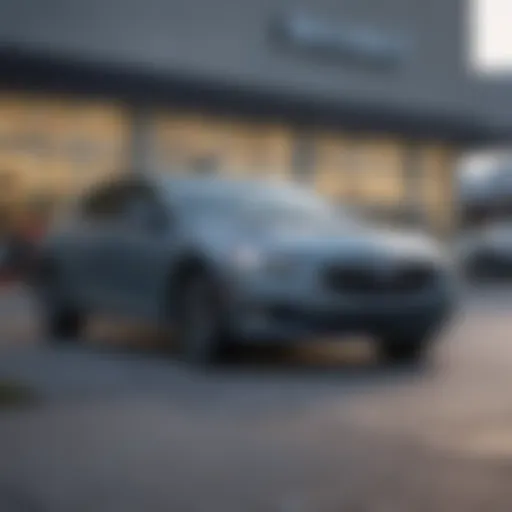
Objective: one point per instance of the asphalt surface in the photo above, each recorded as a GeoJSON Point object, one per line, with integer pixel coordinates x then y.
{"type": "Point", "coordinates": [121, 427]}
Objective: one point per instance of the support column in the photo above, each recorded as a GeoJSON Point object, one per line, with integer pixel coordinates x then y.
{"type": "Point", "coordinates": [451, 208]}
{"type": "Point", "coordinates": [142, 140]}
{"type": "Point", "coordinates": [413, 176]}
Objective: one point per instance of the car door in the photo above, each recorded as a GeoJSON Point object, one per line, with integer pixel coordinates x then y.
{"type": "Point", "coordinates": [92, 258]}
{"type": "Point", "coordinates": [142, 248]}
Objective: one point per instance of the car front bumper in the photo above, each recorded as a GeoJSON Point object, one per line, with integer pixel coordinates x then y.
{"type": "Point", "coordinates": [295, 318]}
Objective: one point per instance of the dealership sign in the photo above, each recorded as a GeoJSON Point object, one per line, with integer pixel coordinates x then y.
{"type": "Point", "coordinates": [346, 42]}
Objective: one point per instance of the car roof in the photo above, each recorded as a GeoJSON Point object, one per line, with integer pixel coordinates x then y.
{"type": "Point", "coordinates": [177, 184]}
{"type": "Point", "coordinates": [171, 185]}
{"type": "Point", "coordinates": [184, 179]}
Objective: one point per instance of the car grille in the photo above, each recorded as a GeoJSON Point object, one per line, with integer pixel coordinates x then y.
{"type": "Point", "coordinates": [405, 278]}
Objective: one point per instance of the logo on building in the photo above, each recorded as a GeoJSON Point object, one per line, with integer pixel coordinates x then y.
{"type": "Point", "coordinates": [341, 41]}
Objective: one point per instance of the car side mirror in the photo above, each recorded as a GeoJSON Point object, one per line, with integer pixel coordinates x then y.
{"type": "Point", "coordinates": [156, 222]}
{"type": "Point", "coordinates": [148, 219]}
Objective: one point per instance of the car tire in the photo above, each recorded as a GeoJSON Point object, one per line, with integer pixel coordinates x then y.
{"type": "Point", "coordinates": [478, 269]}
{"type": "Point", "coordinates": [64, 325]}
{"type": "Point", "coordinates": [486, 268]}
{"type": "Point", "coordinates": [403, 350]}
{"type": "Point", "coordinates": [200, 330]}
{"type": "Point", "coordinates": [62, 321]}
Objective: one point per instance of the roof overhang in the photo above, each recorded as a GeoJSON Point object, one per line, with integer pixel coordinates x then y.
{"type": "Point", "coordinates": [28, 69]}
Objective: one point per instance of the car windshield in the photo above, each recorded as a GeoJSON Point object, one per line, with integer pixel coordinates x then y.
{"type": "Point", "coordinates": [266, 205]}
{"type": "Point", "coordinates": [498, 231]}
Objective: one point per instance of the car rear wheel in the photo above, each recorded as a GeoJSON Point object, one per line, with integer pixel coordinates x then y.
{"type": "Point", "coordinates": [62, 321]}
{"type": "Point", "coordinates": [200, 330]}
{"type": "Point", "coordinates": [63, 325]}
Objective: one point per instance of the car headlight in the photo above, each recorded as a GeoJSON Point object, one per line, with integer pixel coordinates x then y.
{"type": "Point", "coordinates": [247, 258]}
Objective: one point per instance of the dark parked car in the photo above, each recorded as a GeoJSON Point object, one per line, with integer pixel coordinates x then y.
{"type": "Point", "coordinates": [236, 262]}
{"type": "Point", "coordinates": [487, 252]}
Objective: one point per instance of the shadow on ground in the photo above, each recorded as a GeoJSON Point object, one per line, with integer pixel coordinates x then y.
{"type": "Point", "coordinates": [342, 361]}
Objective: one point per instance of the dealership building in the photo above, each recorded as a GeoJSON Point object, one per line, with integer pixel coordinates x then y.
{"type": "Point", "coordinates": [368, 101]}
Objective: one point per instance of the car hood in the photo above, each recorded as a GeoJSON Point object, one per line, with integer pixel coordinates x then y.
{"type": "Point", "coordinates": [353, 244]}
{"type": "Point", "coordinates": [335, 242]}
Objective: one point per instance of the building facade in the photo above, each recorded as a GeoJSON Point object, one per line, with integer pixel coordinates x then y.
{"type": "Point", "coordinates": [368, 101]}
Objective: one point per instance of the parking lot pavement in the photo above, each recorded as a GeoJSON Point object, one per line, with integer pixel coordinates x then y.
{"type": "Point", "coordinates": [323, 429]}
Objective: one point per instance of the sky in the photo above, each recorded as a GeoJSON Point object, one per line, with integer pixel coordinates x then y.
{"type": "Point", "coordinates": [492, 35]}
{"type": "Point", "coordinates": [491, 53]}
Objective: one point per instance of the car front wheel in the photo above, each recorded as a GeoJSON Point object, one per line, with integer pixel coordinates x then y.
{"type": "Point", "coordinates": [410, 349]}
{"type": "Point", "coordinates": [200, 332]}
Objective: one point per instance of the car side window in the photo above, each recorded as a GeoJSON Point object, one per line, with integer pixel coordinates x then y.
{"type": "Point", "coordinates": [127, 204]}
{"type": "Point", "coordinates": [103, 205]}
{"type": "Point", "coordinates": [141, 210]}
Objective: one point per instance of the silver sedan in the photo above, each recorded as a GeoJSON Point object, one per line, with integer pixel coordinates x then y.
{"type": "Point", "coordinates": [227, 262]}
